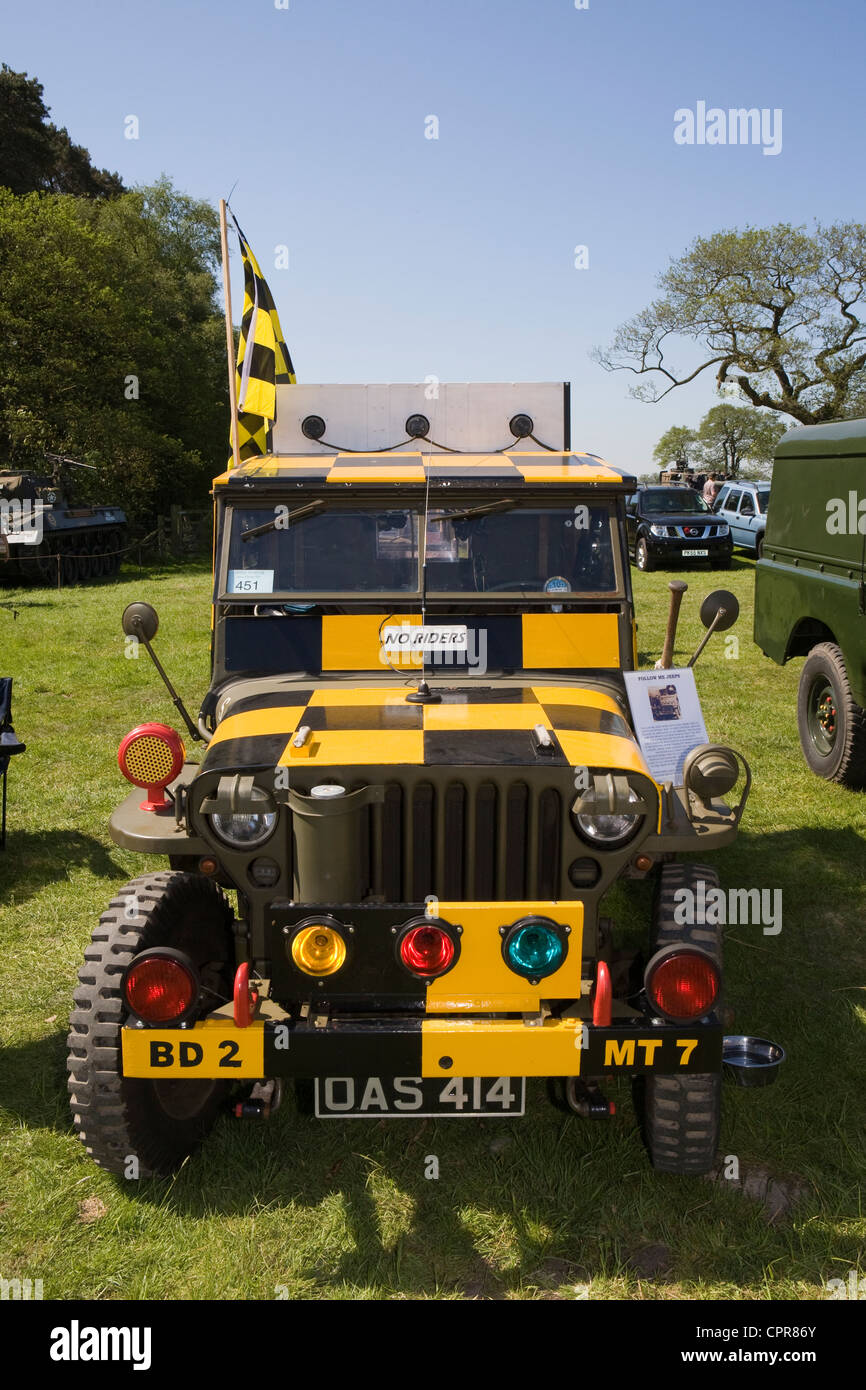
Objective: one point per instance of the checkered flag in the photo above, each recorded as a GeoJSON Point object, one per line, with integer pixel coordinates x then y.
{"type": "Point", "coordinates": [263, 359]}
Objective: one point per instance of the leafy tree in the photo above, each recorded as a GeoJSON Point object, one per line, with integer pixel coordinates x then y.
{"type": "Point", "coordinates": [678, 446]}
{"type": "Point", "coordinates": [34, 154]}
{"type": "Point", "coordinates": [773, 310]}
{"type": "Point", "coordinates": [114, 343]}
{"type": "Point", "coordinates": [730, 434]}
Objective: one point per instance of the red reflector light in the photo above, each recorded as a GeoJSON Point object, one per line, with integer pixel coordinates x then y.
{"type": "Point", "coordinates": [426, 950]}
{"type": "Point", "coordinates": [682, 984]}
{"type": "Point", "coordinates": [160, 989]}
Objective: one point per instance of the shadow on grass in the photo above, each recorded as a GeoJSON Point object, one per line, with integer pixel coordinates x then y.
{"type": "Point", "coordinates": [562, 1201]}
{"type": "Point", "coordinates": [34, 858]}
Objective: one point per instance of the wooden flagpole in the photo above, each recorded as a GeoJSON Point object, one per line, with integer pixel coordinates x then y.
{"type": "Point", "coordinates": [230, 337]}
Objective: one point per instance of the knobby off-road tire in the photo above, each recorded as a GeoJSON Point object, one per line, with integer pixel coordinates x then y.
{"type": "Point", "coordinates": [832, 726]}
{"type": "Point", "coordinates": [682, 1114]}
{"type": "Point", "coordinates": [116, 1117]}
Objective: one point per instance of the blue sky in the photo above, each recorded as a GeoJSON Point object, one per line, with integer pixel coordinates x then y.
{"type": "Point", "coordinates": [411, 256]}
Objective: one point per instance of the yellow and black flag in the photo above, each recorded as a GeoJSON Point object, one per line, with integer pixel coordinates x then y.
{"type": "Point", "coordinates": [263, 359]}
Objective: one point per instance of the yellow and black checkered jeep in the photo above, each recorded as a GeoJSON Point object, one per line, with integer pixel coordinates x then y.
{"type": "Point", "coordinates": [419, 779]}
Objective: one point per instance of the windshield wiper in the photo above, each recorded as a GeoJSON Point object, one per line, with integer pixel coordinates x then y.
{"type": "Point", "coordinates": [484, 509]}
{"type": "Point", "coordinates": [310, 509]}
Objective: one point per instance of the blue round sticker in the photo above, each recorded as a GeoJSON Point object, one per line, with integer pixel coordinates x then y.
{"type": "Point", "coordinates": [557, 585]}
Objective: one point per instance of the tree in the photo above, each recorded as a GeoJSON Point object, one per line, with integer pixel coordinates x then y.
{"type": "Point", "coordinates": [34, 154]}
{"type": "Point", "coordinates": [729, 435]}
{"type": "Point", "coordinates": [677, 447]}
{"type": "Point", "coordinates": [775, 311]}
{"type": "Point", "coordinates": [113, 342]}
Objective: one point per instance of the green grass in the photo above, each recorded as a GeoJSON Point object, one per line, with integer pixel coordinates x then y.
{"type": "Point", "coordinates": [341, 1209]}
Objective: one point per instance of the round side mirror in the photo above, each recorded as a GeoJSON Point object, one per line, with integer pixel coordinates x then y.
{"type": "Point", "coordinates": [720, 598]}
{"type": "Point", "coordinates": [140, 620]}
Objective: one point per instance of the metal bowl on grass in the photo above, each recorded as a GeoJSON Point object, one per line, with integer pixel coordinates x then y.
{"type": "Point", "coordinates": [751, 1061]}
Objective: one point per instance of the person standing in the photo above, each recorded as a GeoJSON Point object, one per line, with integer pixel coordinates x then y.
{"type": "Point", "coordinates": [710, 490]}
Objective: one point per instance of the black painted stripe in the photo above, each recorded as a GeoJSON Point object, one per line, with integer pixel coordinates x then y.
{"type": "Point", "coordinates": [489, 695]}
{"type": "Point", "coordinates": [488, 748]}
{"type": "Point", "coordinates": [278, 699]}
{"type": "Point", "coordinates": [254, 751]}
{"type": "Point", "coordinates": [391, 716]}
{"type": "Point", "coordinates": [382, 1047]}
{"type": "Point", "coordinates": [280, 645]}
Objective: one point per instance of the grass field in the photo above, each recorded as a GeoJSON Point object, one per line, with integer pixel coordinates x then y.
{"type": "Point", "coordinates": [545, 1207]}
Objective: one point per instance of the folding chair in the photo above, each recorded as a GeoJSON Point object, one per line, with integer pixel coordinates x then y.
{"type": "Point", "coordinates": [9, 744]}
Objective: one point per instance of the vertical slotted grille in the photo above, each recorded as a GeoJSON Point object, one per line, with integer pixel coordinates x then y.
{"type": "Point", "coordinates": [465, 843]}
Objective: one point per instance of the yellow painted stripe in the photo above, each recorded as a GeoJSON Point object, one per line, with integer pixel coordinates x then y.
{"type": "Point", "coordinates": [566, 473]}
{"type": "Point", "coordinates": [351, 641]}
{"type": "Point", "coordinates": [575, 695]}
{"type": "Point", "coordinates": [500, 1048]}
{"type": "Point", "coordinates": [374, 695]}
{"type": "Point", "coordinates": [602, 751]}
{"type": "Point", "coordinates": [195, 1053]}
{"type": "Point", "coordinates": [572, 640]}
{"type": "Point", "coordinates": [481, 973]}
{"type": "Point", "coordinates": [533, 465]}
{"type": "Point", "coordinates": [357, 747]}
{"type": "Point", "coordinates": [484, 716]}
{"type": "Point", "coordinates": [251, 723]}
{"type": "Point", "coordinates": [368, 473]}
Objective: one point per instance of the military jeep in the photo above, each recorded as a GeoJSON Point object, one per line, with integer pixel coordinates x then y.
{"type": "Point", "coordinates": [418, 779]}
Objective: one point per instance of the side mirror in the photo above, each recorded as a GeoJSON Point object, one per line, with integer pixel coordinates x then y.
{"type": "Point", "coordinates": [719, 599]}
{"type": "Point", "coordinates": [719, 611]}
{"type": "Point", "coordinates": [140, 620]}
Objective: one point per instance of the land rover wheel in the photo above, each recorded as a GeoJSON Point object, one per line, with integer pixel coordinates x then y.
{"type": "Point", "coordinates": [118, 1118]}
{"type": "Point", "coordinates": [832, 725]}
{"type": "Point", "coordinates": [682, 1114]}
{"type": "Point", "coordinates": [642, 557]}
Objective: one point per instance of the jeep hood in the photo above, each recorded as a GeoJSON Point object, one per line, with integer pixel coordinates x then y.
{"type": "Point", "coordinates": [469, 726]}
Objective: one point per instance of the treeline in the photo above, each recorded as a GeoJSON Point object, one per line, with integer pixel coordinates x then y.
{"type": "Point", "coordinates": [113, 341]}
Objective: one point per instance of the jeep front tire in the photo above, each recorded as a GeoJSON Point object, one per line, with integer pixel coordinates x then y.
{"type": "Point", "coordinates": [118, 1118]}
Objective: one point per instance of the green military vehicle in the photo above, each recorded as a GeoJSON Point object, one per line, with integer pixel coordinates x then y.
{"type": "Point", "coordinates": [419, 779]}
{"type": "Point", "coordinates": [810, 590]}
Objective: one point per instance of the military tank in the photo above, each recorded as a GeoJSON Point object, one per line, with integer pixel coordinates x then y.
{"type": "Point", "coordinates": [42, 530]}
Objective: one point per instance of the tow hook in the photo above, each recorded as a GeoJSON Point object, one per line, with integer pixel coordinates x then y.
{"type": "Point", "coordinates": [262, 1102]}
{"type": "Point", "coordinates": [586, 1100]}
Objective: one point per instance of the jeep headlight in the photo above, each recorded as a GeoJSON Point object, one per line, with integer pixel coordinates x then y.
{"type": "Point", "coordinates": [602, 817]}
{"type": "Point", "coordinates": [244, 829]}
{"type": "Point", "coordinates": [610, 830]}
{"type": "Point", "coordinates": [722, 529]}
{"type": "Point", "coordinates": [657, 530]}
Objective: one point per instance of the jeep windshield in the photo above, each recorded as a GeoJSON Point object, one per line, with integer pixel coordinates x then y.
{"type": "Point", "coordinates": [472, 548]}
{"type": "Point", "coordinates": [662, 501]}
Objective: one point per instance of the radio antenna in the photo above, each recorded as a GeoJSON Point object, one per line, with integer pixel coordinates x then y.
{"type": "Point", "coordinates": [422, 695]}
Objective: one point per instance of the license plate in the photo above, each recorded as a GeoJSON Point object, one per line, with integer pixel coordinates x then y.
{"type": "Point", "coordinates": [375, 1097]}
{"type": "Point", "coordinates": [695, 554]}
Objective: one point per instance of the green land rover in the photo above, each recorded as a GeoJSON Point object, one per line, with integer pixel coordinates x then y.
{"type": "Point", "coordinates": [810, 592]}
